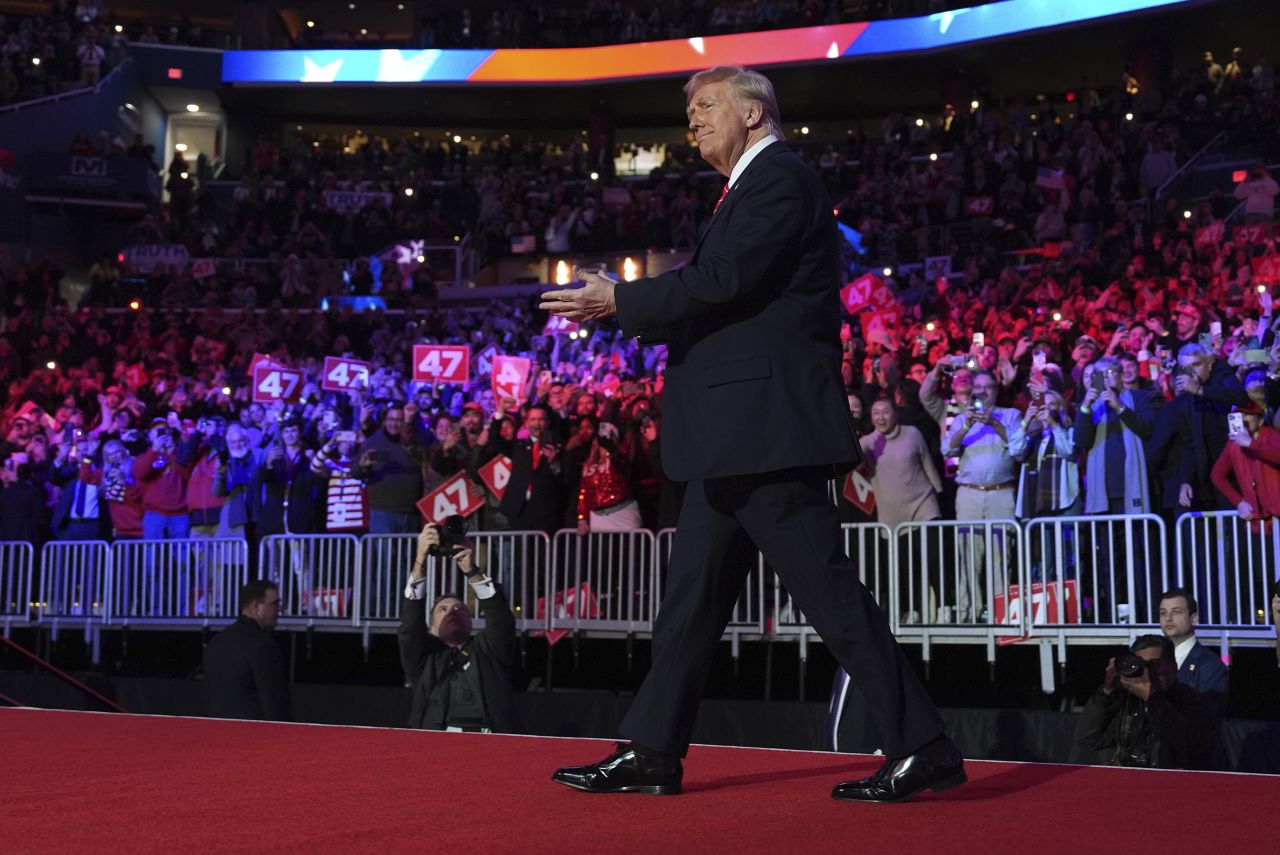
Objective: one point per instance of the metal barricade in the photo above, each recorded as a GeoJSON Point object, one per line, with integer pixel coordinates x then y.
{"type": "Point", "coordinates": [1230, 565]}
{"type": "Point", "coordinates": [385, 563]}
{"type": "Point", "coordinates": [179, 581]}
{"type": "Point", "coordinates": [318, 574]}
{"type": "Point", "coordinates": [956, 574]}
{"type": "Point", "coordinates": [601, 581]}
{"type": "Point", "coordinates": [870, 548]}
{"type": "Point", "coordinates": [516, 560]}
{"type": "Point", "coordinates": [17, 558]}
{"type": "Point", "coordinates": [748, 613]}
{"type": "Point", "coordinates": [1091, 571]}
{"type": "Point", "coordinates": [74, 580]}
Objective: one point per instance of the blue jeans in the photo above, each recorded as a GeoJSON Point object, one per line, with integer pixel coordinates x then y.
{"type": "Point", "coordinates": [390, 522]}
{"type": "Point", "coordinates": [167, 599]}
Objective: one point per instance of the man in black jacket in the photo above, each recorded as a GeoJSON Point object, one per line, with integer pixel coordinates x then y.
{"type": "Point", "coordinates": [534, 498]}
{"type": "Point", "coordinates": [460, 680]}
{"type": "Point", "coordinates": [244, 673]}
{"type": "Point", "coordinates": [1149, 719]}
{"type": "Point", "coordinates": [756, 422]}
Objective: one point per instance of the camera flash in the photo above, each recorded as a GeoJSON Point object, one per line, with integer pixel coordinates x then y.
{"type": "Point", "coordinates": [1262, 289]}
{"type": "Point", "coordinates": [51, 365]}
{"type": "Point", "coordinates": [226, 390]}
{"type": "Point", "coordinates": [1057, 316]}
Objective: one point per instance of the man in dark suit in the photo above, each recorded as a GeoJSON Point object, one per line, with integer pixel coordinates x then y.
{"type": "Point", "coordinates": [534, 497]}
{"type": "Point", "coordinates": [1198, 666]}
{"type": "Point", "coordinates": [244, 674]}
{"type": "Point", "coordinates": [460, 680]}
{"type": "Point", "coordinates": [755, 421]}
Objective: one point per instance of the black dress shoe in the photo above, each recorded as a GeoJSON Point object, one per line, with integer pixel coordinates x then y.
{"type": "Point", "coordinates": [938, 766]}
{"type": "Point", "coordinates": [625, 771]}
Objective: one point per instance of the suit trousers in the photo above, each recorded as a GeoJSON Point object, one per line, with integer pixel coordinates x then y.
{"type": "Point", "coordinates": [789, 517]}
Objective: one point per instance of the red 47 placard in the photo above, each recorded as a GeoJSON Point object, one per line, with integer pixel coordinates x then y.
{"type": "Point", "coordinates": [509, 376]}
{"type": "Point", "coordinates": [452, 498]}
{"type": "Point", "coordinates": [344, 375]}
{"type": "Point", "coordinates": [496, 474]}
{"type": "Point", "coordinates": [272, 383]}
{"type": "Point", "coordinates": [858, 492]}
{"type": "Point", "coordinates": [441, 363]}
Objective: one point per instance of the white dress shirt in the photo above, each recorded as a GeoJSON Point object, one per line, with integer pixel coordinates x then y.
{"type": "Point", "coordinates": [483, 586]}
{"type": "Point", "coordinates": [1182, 650]}
{"type": "Point", "coordinates": [748, 156]}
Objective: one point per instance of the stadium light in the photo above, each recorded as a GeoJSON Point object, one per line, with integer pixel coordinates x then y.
{"type": "Point", "coordinates": [919, 123]}
{"type": "Point", "coordinates": [193, 108]}
{"type": "Point", "coordinates": [929, 327]}
{"type": "Point", "coordinates": [35, 60]}
{"type": "Point", "coordinates": [408, 191]}
{"type": "Point", "coordinates": [119, 28]}
{"type": "Point", "coordinates": [180, 147]}
{"type": "Point", "coordinates": [51, 365]}
{"type": "Point", "coordinates": [805, 130]}
{"type": "Point", "coordinates": [562, 272]}
{"type": "Point", "coordinates": [595, 176]}
{"type": "Point", "coordinates": [1057, 316]}
{"type": "Point", "coordinates": [1128, 117]}
{"type": "Point", "coordinates": [226, 390]}
{"type": "Point", "coordinates": [457, 138]}
{"type": "Point", "coordinates": [135, 305]}
{"type": "Point", "coordinates": [933, 155]}
{"type": "Point", "coordinates": [351, 6]}
{"type": "Point", "coordinates": [1262, 289]}
{"type": "Point", "coordinates": [1186, 215]}
{"type": "Point", "coordinates": [364, 31]}
{"type": "Point", "coordinates": [630, 270]}
{"type": "Point", "coordinates": [974, 105]}
{"type": "Point", "coordinates": [422, 259]}
{"type": "Point", "coordinates": [888, 271]}
{"type": "Point", "coordinates": [311, 25]}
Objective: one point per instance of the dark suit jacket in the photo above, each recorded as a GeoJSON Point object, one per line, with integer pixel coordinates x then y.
{"type": "Point", "coordinates": [543, 509]}
{"type": "Point", "coordinates": [493, 650]}
{"type": "Point", "coordinates": [1203, 671]}
{"type": "Point", "coordinates": [304, 493]}
{"type": "Point", "coordinates": [65, 476]}
{"type": "Point", "coordinates": [244, 674]}
{"type": "Point", "coordinates": [1189, 436]}
{"type": "Point", "coordinates": [753, 326]}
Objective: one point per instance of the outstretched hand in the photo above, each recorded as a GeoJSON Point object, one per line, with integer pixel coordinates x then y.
{"type": "Point", "coordinates": [591, 302]}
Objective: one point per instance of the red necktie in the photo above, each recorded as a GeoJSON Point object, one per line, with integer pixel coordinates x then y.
{"type": "Point", "coordinates": [537, 448]}
{"type": "Point", "coordinates": [720, 201]}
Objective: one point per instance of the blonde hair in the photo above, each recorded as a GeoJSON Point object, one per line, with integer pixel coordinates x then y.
{"type": "Point", "coordinates": [746, 85]}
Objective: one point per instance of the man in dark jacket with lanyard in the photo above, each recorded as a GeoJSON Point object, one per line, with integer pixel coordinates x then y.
{"type": "Point", "coordinates": [460, 681]}
{"type": "Point", "coordinates": [756, 422]}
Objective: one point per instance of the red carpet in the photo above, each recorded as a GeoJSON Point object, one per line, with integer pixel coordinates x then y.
{"type": "Point", "coordinates": [83, 782]}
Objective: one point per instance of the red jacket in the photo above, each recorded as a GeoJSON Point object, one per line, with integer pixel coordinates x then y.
{"type": "Point", "coordinates": [1257, 473]}
{"type": "Point", "coordinates": [164, 490]}
{"type": "Point", "coordinates": [205, 507]}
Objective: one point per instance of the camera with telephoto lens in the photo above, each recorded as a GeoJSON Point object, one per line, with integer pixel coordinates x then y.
{"type": "Point", "coordinates": [453, 531]}
{"type": "Point", "coordinates": [1130, 665]}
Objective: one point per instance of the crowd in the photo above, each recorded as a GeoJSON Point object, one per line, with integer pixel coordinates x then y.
{"type": "Point", "coordinates": [74, 45]}
{"type": "Point", "coordinates": [1133, 368]}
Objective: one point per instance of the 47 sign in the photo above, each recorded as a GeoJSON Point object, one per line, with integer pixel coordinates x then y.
{"type": "Point", "coordinates": [452, 498]}
{"type": "Point", "coordinates": [271, 383]}
{"type": "Point", "coordinates": [441, 363]}
{"type": "Point", "coordinates": [496, 474]}
{"type": "Point", "coordinates": [344, 375]}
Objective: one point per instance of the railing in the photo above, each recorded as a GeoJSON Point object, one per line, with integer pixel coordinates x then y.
{"type": "Point", "coordinates": [318, 575]}
{"type": "Point", "coordinates": [1191, 161]}
{"type": "Point", "coordinates": [1231, 566]}
{"type": "Point", "coordinates": [1080, 580]}
{"type": "Point", "coordinates": [69, 93]}
{"type": "Point", "coordinates": [195, 581]}
{"type": "Point", "coordinates": [16, 562]}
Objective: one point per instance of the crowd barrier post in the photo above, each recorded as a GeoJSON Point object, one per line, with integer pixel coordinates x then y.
{"type": "Point", "coordinates": [17, 560]}
{"type": "Point", "coordinates": [75, 576]}
{"type": "Point", "coordinates": [319, 577]}
{"type": "Point", "coordinates": [177, 581]}
{"type": "Point", "coordinates": [958, 580]}
{"type": "Point", "coordinates": [1230, 565]}
{"type": "Point", "coordinates": [601, 582]}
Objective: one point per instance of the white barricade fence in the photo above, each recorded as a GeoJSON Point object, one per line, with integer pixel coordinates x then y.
{"type": "Point", "coordinates": [601, 581]}
{"type": "Point", "coordinates": [187, 580]}
{"type": "Point", "coordinates": [1085, 571]}
{"type": "Point", "coordinates": [517, 561]}
{"type": "Point", "coordinates": [17, 558]}
{"type": "Point", "coordinates": [318, 574]}
{"type": "Point", "coordinates": [870, 548]}
{"type": "Point", "coordinates": [1231, 565]}
{"type": "Point", "coordinates": [385, 563]}
{"type": "Point", "coordinates": [748, 613]}
{"type": "Point", "coordinates": [955, 573]}
{"type": "Point", "coordinates": [74, 579]}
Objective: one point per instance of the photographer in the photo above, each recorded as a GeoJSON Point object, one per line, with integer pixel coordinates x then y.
{"type": "Point", "coordinates": [164, 485]}
{"type": "Point", "coordinates": [1144, 716]}
{"type": "Point", "coordinates": [460, 681]}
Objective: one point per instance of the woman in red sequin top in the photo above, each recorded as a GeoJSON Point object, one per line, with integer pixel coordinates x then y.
{"type": "Point", "coordinates": [605, 502]}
